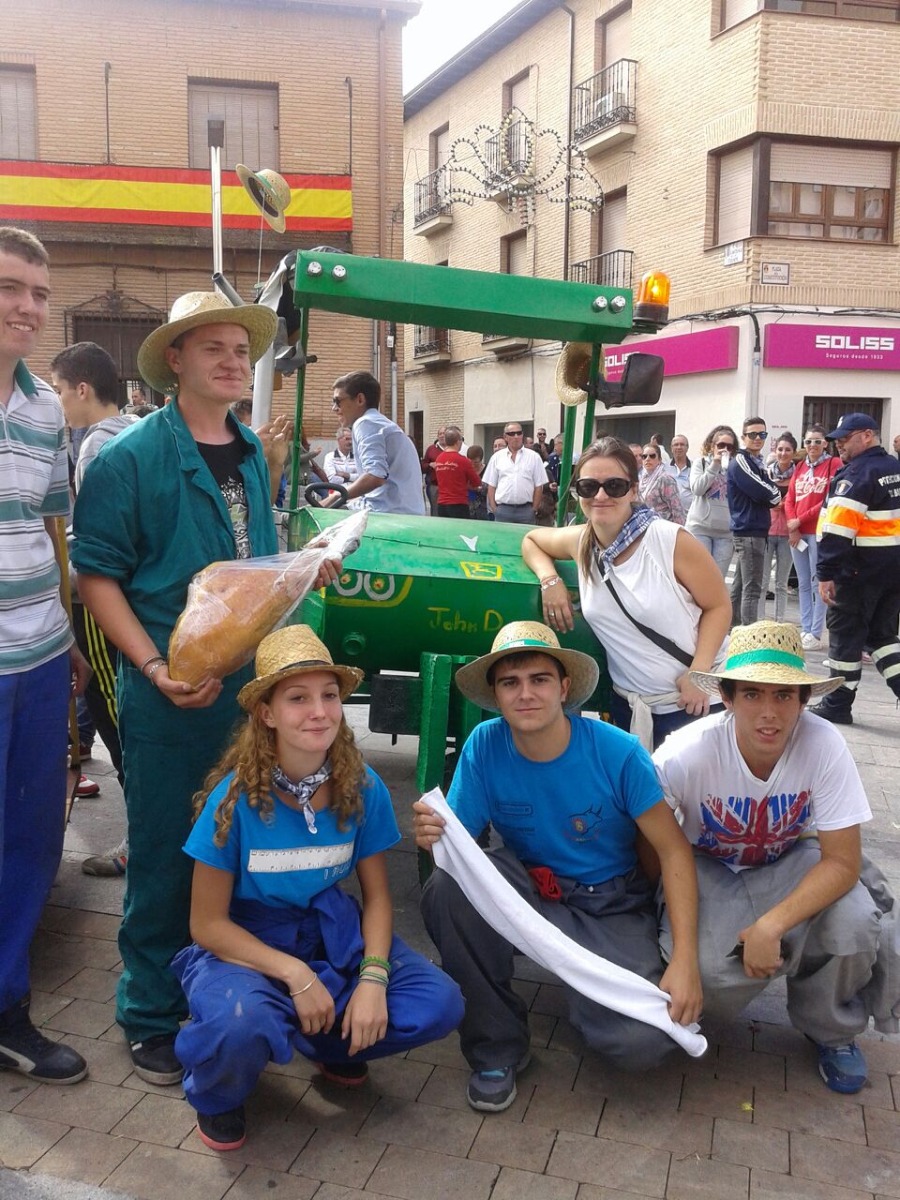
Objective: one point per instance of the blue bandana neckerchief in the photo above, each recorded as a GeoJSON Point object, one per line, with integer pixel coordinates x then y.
{"type": "Point", "coordinates": [304, 790]}
{"type": "Point", "coordinates": [636, 525]}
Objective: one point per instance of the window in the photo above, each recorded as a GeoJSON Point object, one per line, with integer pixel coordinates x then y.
{"type": "Point", "coordinates": [251, 124]}
{"type": "Point", "coordinates": [439, 148]}
{"type": "Point", "coordinates": [18, 121]}
{"type": "Point", "coordinates": [851, 10]}
{"type": "Point", "coordinates": [517, 94]}
{"type": "Point", "coordinates": [804, 190]}
{"type": "Point", "coordinates": [514, 254]}
{"type": "Point", "coordinates": [613, 38]}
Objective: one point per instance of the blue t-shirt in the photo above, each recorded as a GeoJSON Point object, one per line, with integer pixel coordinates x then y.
{"type": "Point", "coordinates": [276, 860]}
{"type": "Point", "coordinates": [575, 814]}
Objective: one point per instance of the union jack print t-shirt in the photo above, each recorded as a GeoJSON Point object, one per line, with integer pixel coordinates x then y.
{"type": "Point", "coordinates": [743, 821]}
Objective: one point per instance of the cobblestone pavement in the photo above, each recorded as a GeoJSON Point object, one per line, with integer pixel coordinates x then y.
{"type": "Point", "coordinates": [749, 1121]}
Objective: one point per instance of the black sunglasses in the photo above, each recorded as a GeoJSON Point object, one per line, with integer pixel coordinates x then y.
{"type": "Point", "coordinates": [513, 433]}
{"type": "Point", "coordinates": [615, 488]}
{"type": "Point", "coordinates": [724, 445]}
{"type": "Point", "coordinates": [752, 435]}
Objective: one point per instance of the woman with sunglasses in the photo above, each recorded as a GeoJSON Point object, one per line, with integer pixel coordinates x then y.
{"type": "Point", "coordinates": [709, 518]}
{"type": "Point", "coordinates": [657, 488]}
{"type": "Point", "coordinates": [805, 495]}
{"type": "Point", "coordinates": [778, 548]}
{"type": "Point", "coordinates": [638, 575]}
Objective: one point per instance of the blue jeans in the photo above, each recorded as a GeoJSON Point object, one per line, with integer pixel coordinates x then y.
{"type": "Point", "coordinates": [721, 549]}
{"type": "Point", "coordinates": [779, 549]}
{"type": "Point", "coordinates": [34, 709]}
{"type": "Point", "coordinates": [812, 606]}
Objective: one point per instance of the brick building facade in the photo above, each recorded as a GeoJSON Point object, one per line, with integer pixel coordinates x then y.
{"type": "Point", "coordinates": [104, 155]}
{"type": "Point", "coordinates": [746, 147]}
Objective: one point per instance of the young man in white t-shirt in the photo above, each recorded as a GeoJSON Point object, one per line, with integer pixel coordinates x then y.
{"type": "Point", "coordinates": [772, 803]}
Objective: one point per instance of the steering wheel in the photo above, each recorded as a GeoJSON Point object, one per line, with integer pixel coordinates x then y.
{"type": "Point", "coordinates": [315, 491]}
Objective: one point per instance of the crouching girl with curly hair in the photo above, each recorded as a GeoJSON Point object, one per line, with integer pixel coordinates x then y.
{"type": "Point", "coordinates": [283, 959]}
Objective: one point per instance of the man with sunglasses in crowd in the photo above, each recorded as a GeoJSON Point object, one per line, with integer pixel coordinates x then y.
{"type": "Point", "coordinates": [859, 563]}
{"type": "Point", "coordinates": [751, 497]}
{"type": "Point", "coordinates": [515, 479]}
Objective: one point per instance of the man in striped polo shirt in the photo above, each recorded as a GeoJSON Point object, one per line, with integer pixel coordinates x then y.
{"type": "Point", "coordinates": [38, 661]}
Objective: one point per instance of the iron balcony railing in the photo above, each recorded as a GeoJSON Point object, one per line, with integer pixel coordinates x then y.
{"type": "Point", "coordinates": [510, 152]}
{"type": "Point", "coordinates": [431, 196]}
{"type": "Point", "coordinates": [606, 99]}
{"type": "Point", "coordinates": [612, 270]}
{"type": "Point", "coordinates": [429, 340]}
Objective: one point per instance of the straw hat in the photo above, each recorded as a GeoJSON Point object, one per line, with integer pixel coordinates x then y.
{"type": "Point", "coordinates": [269, 191]}
{"type": "Point", "coordinates": [202, 308]}
{"type": "Point", "coordinates": [573, 368]}
{"type": "Point", "coordinates": [294, 650]}
{"type": "Point", "coordinates": [533, 637]}
{"type": "Point", "coordinates": [765, 652]}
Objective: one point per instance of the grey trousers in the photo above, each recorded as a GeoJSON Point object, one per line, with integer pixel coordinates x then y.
{"type": "Point", "coordinates": [829, 958]}
{"type": "Point", "coordinates": [749, 565]}
{"type": "Point", "coordinates": [616, 920]}
{"type": "Point", "coordinates": [517, 514]}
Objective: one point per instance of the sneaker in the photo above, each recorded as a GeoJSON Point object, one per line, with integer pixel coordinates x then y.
{"type": "Point", "coordinates": [109, 865]}
{"type": "Point", "coordinates": [85, 751]}
{"type": "Point", "coordinates": [494, 1090]}
{"type": "Point", "coordinates": [154, 1060]}
{"type": "Point", "coordinates": [24, 1049]}
{"type": "Point", "coordinates": [842, 1067]}
{"type": "Point", "coordinates": [85, 788]}
{"type": "Point", "coordinates": [809, 641]}
{"type": "Point", "coordinates": [223, 1131]}
{"type": "Point", "coordinates": [345, 1074]}
{"type": "Point", "coordinates": [837, 716]}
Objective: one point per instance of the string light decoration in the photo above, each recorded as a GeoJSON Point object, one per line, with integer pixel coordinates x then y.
{"type": "Point", "coordinates": [520, 162]}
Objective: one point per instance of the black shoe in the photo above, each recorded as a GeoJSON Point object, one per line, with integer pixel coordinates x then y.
{"type": "Point", "coordinates": [837, 716]}
{"type": "Point", "coordinates": [223, 1131]}
{"type": "Point", "coordinates": [345, 1074]}
{"type": "Point", "coordinates": [155, 1061]}
{"type": "Point", "coordinates": [24, 1049]}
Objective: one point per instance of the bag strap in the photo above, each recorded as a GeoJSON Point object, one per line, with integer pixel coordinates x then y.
{"type": "Point", "coordinates": [657, 638]}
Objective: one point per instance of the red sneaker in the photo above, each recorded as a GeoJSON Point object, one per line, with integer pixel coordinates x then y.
{"type": "Point", "coordinates": [86, 788]}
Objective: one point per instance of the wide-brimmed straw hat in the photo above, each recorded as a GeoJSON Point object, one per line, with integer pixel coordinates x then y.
{"type": "Point", "coordinates": [534, 638]}
{"type": "Point", "coordinates": [573, 369]}
{"type": "Point", "coordinates": [269, 191]}
{"type": "Point", "coordinates": [766, 652]}
{"type": "Point", "coordinates": [294, 650]}
{"type": "Point", "coordinates": [202, 308]}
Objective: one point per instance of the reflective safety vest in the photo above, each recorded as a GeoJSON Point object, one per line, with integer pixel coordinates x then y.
{"type": "Point", "coordinates": [859, 525]}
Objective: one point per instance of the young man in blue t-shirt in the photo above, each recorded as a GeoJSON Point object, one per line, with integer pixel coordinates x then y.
{"type": "Point", "coordinates": [568, 796]}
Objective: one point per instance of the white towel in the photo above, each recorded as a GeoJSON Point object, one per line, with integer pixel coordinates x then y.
{"type": "Point", "coordinates": [510, 914]}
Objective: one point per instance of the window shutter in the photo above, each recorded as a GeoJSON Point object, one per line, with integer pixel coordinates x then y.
{"type": "Point", "coordinates": [735, 196]}
{"type": "Point", "coordinates": [840, 165]}
{"type": "Point", "coordinates": [614, 227]}
{"type": "Point", "coordinates": [617, 38]}
{"type": "Point", "coordinates": [251, 119]}
{"type": "Point", "coordinates": [517, 255]}
{"type": "Point", "coordinates": [738, 10]}
{"type": "Point", "coordinates": [18, 124]}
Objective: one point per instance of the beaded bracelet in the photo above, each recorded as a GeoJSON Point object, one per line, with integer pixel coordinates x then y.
{"type": "Point", "coordinates": [156, 666]}
{"type": "Point", "coordinates": [372, 960]}
{"type": "Point", "coordinates": [381, 980]}
{"type": "Point", "coordinates": [154, 658]}
{"type": "Point", "coordinates": [300, 991]}
{"type": "Point", "coordinates": [550, 582]}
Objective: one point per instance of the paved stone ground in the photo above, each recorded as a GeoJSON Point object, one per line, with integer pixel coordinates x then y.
{"type": "Point", "coordinates": [749, 1121]}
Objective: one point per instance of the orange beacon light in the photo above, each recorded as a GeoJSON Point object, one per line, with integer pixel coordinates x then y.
{"type": "Point", "coordinates": [652, 304]}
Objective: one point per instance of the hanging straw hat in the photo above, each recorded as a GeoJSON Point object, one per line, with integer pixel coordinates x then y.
{"type": "Point", "coordinates": [294, 650]}
{"type": "Point", "coordinates": [202, 308]}
{"type": "Point", "coordinates": [573, 368]}
{"type": "Point", "coordinates": [765, 652]}
{"type": "Point", "coordinates": [269, 191]}
{"type": "Point", "coordinates": [535, 638]}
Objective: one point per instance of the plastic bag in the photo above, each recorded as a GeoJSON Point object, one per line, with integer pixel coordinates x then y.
{"type": "Point", "coordinates": [232, 606]}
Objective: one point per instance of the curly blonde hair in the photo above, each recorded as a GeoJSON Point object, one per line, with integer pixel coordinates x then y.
{"type": "Point", "coordinates": [251, 756]}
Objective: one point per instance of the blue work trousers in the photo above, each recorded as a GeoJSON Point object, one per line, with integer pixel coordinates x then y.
{"type": "Point", "coordinates": [33, 744]}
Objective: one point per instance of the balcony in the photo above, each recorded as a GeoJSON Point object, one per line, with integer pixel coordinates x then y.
{"type": "Point", "coordinates": [612, 270]}
{"type": "Point", "coordinates": [431, 345]}
{"type": "Point", "coordinates": [431, 207]}
{"type": "Point", "coordinates": [605, 113]}
{"type": "Point", "coordinates": [503, 343]}
{"type": "Point", "coordinates": [509, 155]}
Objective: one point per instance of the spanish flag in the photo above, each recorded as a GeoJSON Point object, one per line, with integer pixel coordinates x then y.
{"type": "Point", "coordinates": [105, 194]}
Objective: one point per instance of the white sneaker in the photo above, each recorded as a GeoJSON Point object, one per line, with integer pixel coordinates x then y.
{"type": "Point", "coordinates": [810, 642]}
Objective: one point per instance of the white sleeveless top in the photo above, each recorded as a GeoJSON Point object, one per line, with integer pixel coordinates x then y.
{"type": "Point", "coordinates": [648, 589]}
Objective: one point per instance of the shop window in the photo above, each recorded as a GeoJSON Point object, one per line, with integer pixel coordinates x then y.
{"type": "Point", "coordinates": [18, 118]}
{"type": "Point", "coordinates": [251, 124]}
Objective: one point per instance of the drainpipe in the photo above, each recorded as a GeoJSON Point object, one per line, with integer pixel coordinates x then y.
{"type": "Point", "coordinates": [570, 85]}
{"type": "Point", "coordinates": [107, 67]}
{"type": "Point", "coordinates": [382, 174]}
{"type": "Point", "coordinates": [755, 356]}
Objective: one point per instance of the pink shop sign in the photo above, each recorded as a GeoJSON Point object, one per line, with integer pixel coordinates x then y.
{"type": "Point", "coordinates": [835, 347]}
{"type": "Point", "coordinates": [686, 354]}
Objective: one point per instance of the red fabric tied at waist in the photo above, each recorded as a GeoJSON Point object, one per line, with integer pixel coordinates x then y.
{"type": "Point", "coordinates": [546, 883]}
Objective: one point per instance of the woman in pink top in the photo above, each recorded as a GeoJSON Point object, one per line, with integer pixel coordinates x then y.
{"type": "Point", "coordinates": [780, 471]}
{"type": "Point", "coordinates": [806, 494]}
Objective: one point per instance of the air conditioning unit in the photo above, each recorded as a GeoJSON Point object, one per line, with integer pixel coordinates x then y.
{"type": "Point", "coordinates": [605, 106]}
